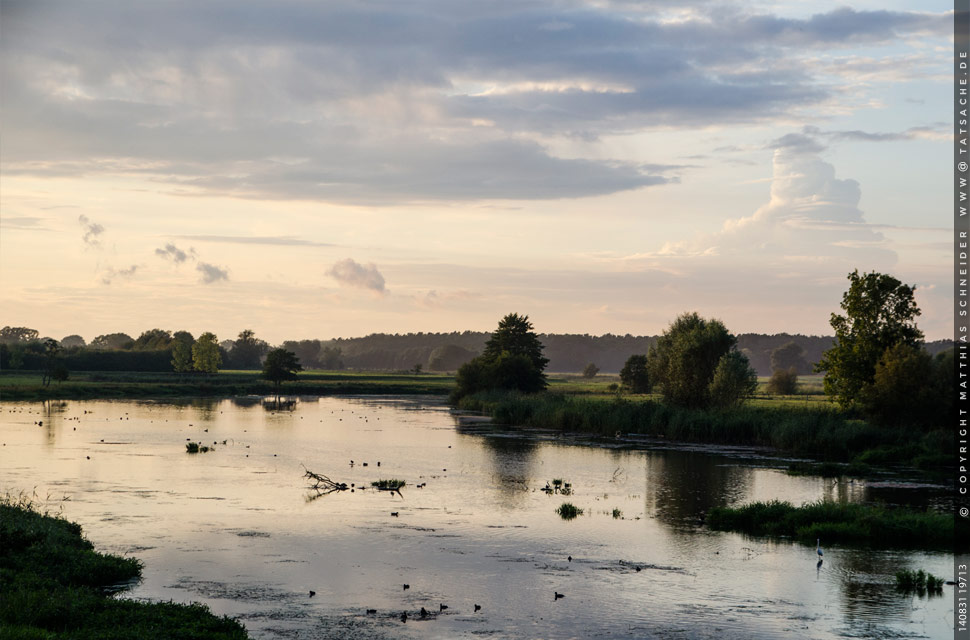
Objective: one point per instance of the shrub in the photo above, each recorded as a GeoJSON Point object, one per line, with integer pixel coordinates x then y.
{"type": "Point", "coordinates": [784, 382]}
{"type": "Point", "coordinates": [568, 511]}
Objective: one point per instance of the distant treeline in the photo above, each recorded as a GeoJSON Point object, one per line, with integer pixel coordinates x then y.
{"type": "Point", "coordinates": [20, 348]}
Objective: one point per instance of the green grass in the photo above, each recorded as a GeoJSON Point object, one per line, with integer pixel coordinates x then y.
{"type": "Point", "coordinates": [55, 585]}
{"type": "Point", "coordinates": [815, 430]}
{"type": "Point", "coordinates": [20, 385]}
{"type": "Point", "coordinates": [848, 524]}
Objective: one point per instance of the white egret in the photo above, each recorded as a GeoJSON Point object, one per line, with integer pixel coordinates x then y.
{"type": "Point", "coordinates": [818, 549]}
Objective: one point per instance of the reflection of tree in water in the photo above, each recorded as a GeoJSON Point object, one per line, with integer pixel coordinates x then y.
{"type": "Point", "coordinates": [51, 412]}
{"type": "Point", "coordinates": [512, 459]}
{"type": "Point", "coordinates": [681, 486]}
{"type": "Point", "coordinates": [245, 402]}
{"type": "Point", "coordinates": [279, 404]}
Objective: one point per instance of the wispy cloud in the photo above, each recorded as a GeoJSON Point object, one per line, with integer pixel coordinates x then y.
{"type": "Point", "coordinates": [27, 223]}
{"type": "Point", "coordinates": [268, 240]}
{"type": "Point", "coordinates": [353, 274]}
{"type": "Point", "coordinates": [211, 273]}
{"type": "Point", "coordinates": [173, 253]}
{"type": "Point", "coordinates": [90, 231]}
{"type": "Point", "coordinates": [110, 274]}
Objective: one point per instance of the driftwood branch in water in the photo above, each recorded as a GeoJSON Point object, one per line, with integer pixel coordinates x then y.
{"type": "Point", "coordinates": [322, 484]}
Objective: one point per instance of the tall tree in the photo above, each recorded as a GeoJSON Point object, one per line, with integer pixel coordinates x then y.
{"type": "Point", "coordinates": [634, 375]}
{"type": "Point", "coordinates": [112, 341]}
{"type": "Point", "coordinates": [246, 350]}
{"type": "Point", "coordinates": [280, 365]}
{"type": "Point", "coordinates": [51, 351]}
{"type": "Point", "coordinates": [790, 355]}
{"type": "Point", "coordinates": [18, 334]}
{"type": "Point", "coordinates": [515, 336]}
{"type": "Point", "coordinates": [182, 356]}
{"type": "Point", "coordinates": [880, 313]}
{"type": "Point", "coordinates": [205, 353]}
{"type": "Point", "coordinates": [683, 361]}
{"type": "Point", "coordinates": [73, 340]}
{"type": "Point", "coordinates": [153, 340]}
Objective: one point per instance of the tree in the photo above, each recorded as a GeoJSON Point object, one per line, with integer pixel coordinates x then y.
{"type": "Point", "coordinates": [51, 351]}
{"type": "Point", "coordinates": [73, 341]}
{"type": "Point", "coordinates": [205, 354]}
{"type": "Point", "coordinates": [153, 340]}
{"type": "Point", "coordinates": [880, 313]}
{"type": "Point", "coordinates": [182, 356]}
{"type": "Point", "coordinates": [906, 388]}
{"type": "Point", "coordinates": [634, 375]}
{"type": "Point", "coordinates": [247, 350]}
{"type": "Point", "coordinates": [331, 358]}
{"type": "Point", "coordinates": [590, 370]}
{"type": "Point", "coordinates": [280, 365]}
{"type": "Point", "coordinates": [783, 382]}
{"type": "Point", "coordinates": [112, 341]}
{"type": "Point", "coordinates": [11, 335]}
{"type": "Point", "coordinates": [60, 373]}
{"type": "Point", "coordinates": [516, 337]}
{"type": "Point", "coordinates": [449, 357]}
{"type": "Point", "coordinates": [734, 380]}
{"type": "Point", "coordinates": [512, 360]}
{"type": "Point", "coordinates": [683, 361]}
{"type": "Point", "coordinates": [789, 356]}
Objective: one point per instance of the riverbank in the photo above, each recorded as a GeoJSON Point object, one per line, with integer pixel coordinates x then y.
{"type": "Point", "coordinates": [818, 430]}
{"type": "Point", "coordinates": [55, 584]}
{"type": "Point", "coordinates": [26, 386]}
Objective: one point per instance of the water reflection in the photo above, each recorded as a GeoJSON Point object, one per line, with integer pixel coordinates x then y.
{"type": "Point", "coordinates": [512, 460]}
{"type": "Point", "coordinates": [681, 486]}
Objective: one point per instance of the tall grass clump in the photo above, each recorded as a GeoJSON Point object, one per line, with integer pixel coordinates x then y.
{"type": "Point", "coordinates": [909, 581]}
{"type": "Point", "coordinates": [852, 524]}
{"type": "Point", "coordinates": [392, 484]}
{"type": "Point", "coordinates": [54, 584]}
{"type": "Point", "coordinates": [568, 511]}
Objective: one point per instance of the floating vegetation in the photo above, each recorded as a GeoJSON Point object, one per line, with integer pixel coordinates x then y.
{"type": "Point", "coordinates": [920, 582]}
{"type": "Point", "coordinates": [568, 511]}
{"type": "Point", "coordinates": [198, 447]}
{"type": "Point", "coordinates": [617, 514]}
{"type": "Point", "coordinates": [322, 484]}
{"type": "Point", "coordinates": [388, 485]}
{"type": "Point", "coordinates": [559, 486]}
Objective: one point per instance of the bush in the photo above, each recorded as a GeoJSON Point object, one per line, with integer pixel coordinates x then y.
{"type": "Point", "coordinates": [634, 375]}
{"type": "Point", "coordinates": [784, 382]}
{"type": "Point", "coordinates": [734, 380]}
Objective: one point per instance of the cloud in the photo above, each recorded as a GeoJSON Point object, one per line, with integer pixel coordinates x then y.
{"type": "Point", "coordinates": [352, 274]}
{"type": "Point", "coordinates": [268, 240]}
{"type": "Point", "coordinates": [110, 274]}
{"type": "Point", "coordinates": [90, 231]}
{"type": "Point", "coordinates": [31, 223]}
{"type": "Point", "coordinates": [419, 101]}
{"type": "Point", "coordinates": [211, 273]}
{"type": "Point", "coordinates": [173, 253]}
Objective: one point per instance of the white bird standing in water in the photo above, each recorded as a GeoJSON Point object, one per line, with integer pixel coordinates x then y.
{"type": "Point", "coordinates": [818, 549]}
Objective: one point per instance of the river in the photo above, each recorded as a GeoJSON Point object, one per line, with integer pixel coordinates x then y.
{"type": "Point", "coordinates": [239, 529]}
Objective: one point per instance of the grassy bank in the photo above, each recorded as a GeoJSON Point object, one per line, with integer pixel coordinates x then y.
{"type": "Point", "coordinates": [86, 385]}
{"type": "Point", "coordinates": [815, 431]}
{"type": "Point", "coordinates": [849, 524]}
{"type": "Point", "coordinates": [55, 585]}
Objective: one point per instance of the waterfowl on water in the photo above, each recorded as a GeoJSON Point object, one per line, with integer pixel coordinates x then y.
{"type": "Point", "coordinates": [818, 549]}
{"type": "Point", "coordinates": [558, 595]}
{"type": "Point", "coordinates": [312, 593]}
{"type": "Point", "coordinates": [478, 607]}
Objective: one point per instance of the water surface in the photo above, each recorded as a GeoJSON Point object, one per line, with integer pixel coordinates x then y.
{"type": "Point", "coordinates": [238, 529]}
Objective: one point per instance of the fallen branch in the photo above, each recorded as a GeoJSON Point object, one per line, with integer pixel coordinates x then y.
{"type": "Point", "coordinates": [322, 484]}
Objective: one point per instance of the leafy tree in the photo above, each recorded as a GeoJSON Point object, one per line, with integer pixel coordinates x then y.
{"type": "Point", "coordinates": [182, 356]}
{"type": "Point", "coordinates": [734, 380]}
{"type": "Point", "coordinates": [51, 351]}
{"type": "Point", "coordinates": [10, 335]}
{"type": "Point", "coordinates": [17, 353]}
{"type": "Point", "coordinates": [516, 337]}
{"type": "Point", "coordinates": [73, 341]}
{"type": "Point", "coordinates": [880, 313]}
{"type": "Point", "coordinates": [590, 370]}
{"type": "Point", "coordinates": [280, 365]}
{"type": "Point", "coordinates": [112, 341]}
{"type": "Point", "coordinates": [153, 340]}
{"type": "Point", "coordinates": [205, 354]}
{"type": "Point", "coordinates": [790, 355]}
{"type": "Point", "coordinates": [416, 369]}
{"type": "Point", "coordinates": [60, 373]}
{"type": "Point", "coordinates": [512, 360]}
{"type": "Point", "coordinates": [784, 382]}
{"type": "Point", "coordinates": [247, 350]}
{"type": "Point", "coordinates": [183, 336]}
{"type": "Point", "coordinates": [634, 375]}
{"type": "Point", "coordinates": [909, 387]}
{"type": "Point", "coordinates": [683, 361]}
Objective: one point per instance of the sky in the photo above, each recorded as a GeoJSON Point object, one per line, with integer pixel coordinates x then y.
{"type": "Point", "coordinates": [333, 169]}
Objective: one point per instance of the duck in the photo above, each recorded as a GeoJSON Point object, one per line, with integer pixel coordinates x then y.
{"type": "Point", "coordinates": [558, 595]}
